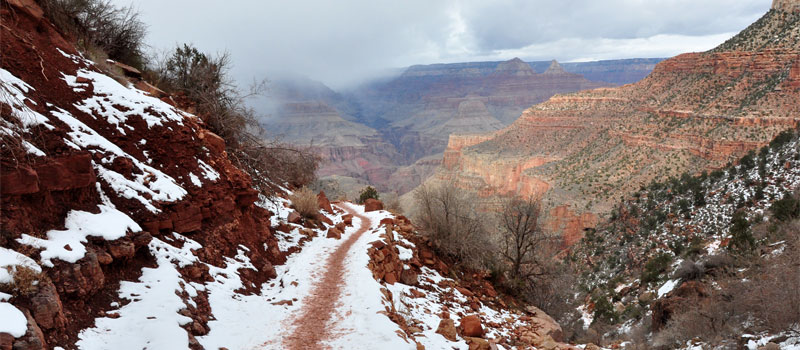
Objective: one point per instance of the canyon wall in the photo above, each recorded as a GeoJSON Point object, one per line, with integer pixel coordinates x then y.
{"type": "Point", "coordinates": [694, 112]}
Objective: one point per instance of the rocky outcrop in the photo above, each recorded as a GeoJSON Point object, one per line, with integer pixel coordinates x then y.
{"type": "Point", "coordinates": [580, 152]}
{"type": "Point", "coordinates": [153, 166]}
{"type": "Point", "coordinates": [555, 68]}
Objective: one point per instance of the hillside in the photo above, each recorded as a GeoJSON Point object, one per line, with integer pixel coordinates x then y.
{"type": "Point", "coordinates": [725, 242]}
{"type": "Point", "coordinates": [126, 224]}
{"type": "Point", "coordinates": [580, 152]}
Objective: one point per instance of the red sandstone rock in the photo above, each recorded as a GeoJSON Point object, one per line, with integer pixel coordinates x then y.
{"type": "Point", "coordinates": [447, 328]}
{"type": "Point", "coordinates": [81, 279]}
{"type": "Point", "coordinates": [386, 221]}
{"type": "Point", "coordinates": [34, 338]}
{"type": "Point", "coordinates": [126, 69]}
{"type": "Point", "coordinates": [390, 278]}
{"type": "Point", "coordinates": [294, 217]}
{"type": "Point", "coordinates": [347, 219]}
{"type": "Point", "coordinates": [65, 173]}
{"type": "Point", "coordinates": [246, 198]}
{"type": "Point", "coordinates": [465, 291]}
{"type": "Point", "coordinates": [676, 300]}
{"type": "Point", "coordinates": [324, 203]}
{"type": "Point", "coordinates": [409, 277]}
{"type": "Point", "coordinates": [6, 341]}
{"type": "Point", "coordinates": [212, 141]}
{"type": "Point", "coordinates": [46, 307]}
{"type": "Point", "coordinates": [122, 248]}
{"type": "Point", "coordinates": [334, 232]}
{"type": "Point", "coordinates": [22, 180]}
{"type": "Point", "coordinates": [471, 326]}
{"type": "Point", "coordinates": [372, 204]}
{"type": "Point", "coordinates": [150, 89]}
{"type": "Point", "coordinates": [187, 218]}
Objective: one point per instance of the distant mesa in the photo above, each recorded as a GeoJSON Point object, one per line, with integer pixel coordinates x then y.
{"type": "Point", "coordinates": [555, 68]}
{"type": "Point", "coordinates": [514, 67]}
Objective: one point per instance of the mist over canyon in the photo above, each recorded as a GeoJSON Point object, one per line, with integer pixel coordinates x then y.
{"type": "Point", "coordinates": [391, 132]}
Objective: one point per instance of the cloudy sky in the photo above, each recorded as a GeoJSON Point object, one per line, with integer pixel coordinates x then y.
{"type": "Point", "coordinates": [344, 41]}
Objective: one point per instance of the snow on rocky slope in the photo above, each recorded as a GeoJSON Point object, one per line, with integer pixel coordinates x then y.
{"type": "Point", "coordinates": [126, 226]}
{"type": "Point", "coordinates": [687, 221]}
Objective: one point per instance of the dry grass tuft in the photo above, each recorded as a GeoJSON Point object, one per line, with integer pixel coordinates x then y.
{"type": "Point", "coordinates": [305, 202]}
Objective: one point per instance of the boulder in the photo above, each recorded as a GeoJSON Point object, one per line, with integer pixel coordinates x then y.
{"type": "Point", "coordinates": [33, 338]}
{"type": "Point", "coordinates": [334, 232]}
{"type": "Point", "coordinates": [212, 141]}
{"type": "Point", "coordinates": [390, 278]}
{"type": "Point", "coordinates": [22, 180]}
{"type": "Point", "coordinates": [471, 326]}
{"type": "Point", "coordinates": [447, 328]}
{"type": "Point", "coordinates": [126, 69]}
{"type": "Point", "coordinates": [547, 325]}
{"type": "Point", "coordinates": [324, 203]}
{"type": "Point", "coordinates": [372, 205]}
{"type": "Point", "coordinates": [386, 221]}
{"type": "Point", "coordinates": [347, 219]}
{"type": "Point", "coordinates": [122, 248]}
{"type": "Point", "coordinates": [664, 308]}
{"type": "Point", "coordinates": [46, 307]}
{"type": "Point", "coordinates": [409, 277]}
{"type": "Point", "coordinates": [546, 342]}
{"type": "Point", "coordinates": [478, 343]}
{"type": "Point", "coordinates": [294, 217]}
{"type": "Point", "coordinates": [81, 279]}
{"type": "Point", "coordinates": [150, 89]}
{"type": "Point", "coordinates": [29, 6]}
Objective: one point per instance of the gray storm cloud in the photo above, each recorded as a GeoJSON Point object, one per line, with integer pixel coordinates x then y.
{"type": "Point", "coordinates": [343, 42]}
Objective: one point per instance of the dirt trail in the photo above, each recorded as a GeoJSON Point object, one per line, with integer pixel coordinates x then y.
{"type": "Point", "coordinates": [309, 328]}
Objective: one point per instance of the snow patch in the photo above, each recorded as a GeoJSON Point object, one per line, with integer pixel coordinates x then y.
{"type": "Point", "coordinates": [13, 321]}
{"type": "Point", "coordinates": [67, 245]}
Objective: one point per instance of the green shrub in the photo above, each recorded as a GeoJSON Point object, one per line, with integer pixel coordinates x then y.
{"type": "Point", "coordinates": [786, 209]}
{"type": "Point", "coordinates": [367, 193]}
{"type": "Point", "coordinates": [655, 267]}
{"type": "Point", "coordinates": [742, 239]}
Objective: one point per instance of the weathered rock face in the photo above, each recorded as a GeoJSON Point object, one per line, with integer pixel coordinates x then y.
{"type": "Point", "coordinates": [580, 152]}
{"type": "Point", "coordinates": [786, 5]}
{"type": "Point", "coordinates": [84, 161]}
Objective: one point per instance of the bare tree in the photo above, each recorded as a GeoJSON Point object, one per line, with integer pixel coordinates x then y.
{"type": "Point", "coordinates": [448, 216]}
{"type": "Point", "coordinates": [521, 236]}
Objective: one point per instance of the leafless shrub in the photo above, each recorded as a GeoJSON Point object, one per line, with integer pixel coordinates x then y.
{"type": "Point", "coordinates": [305, 202]}
{"type": "Point", "coordinates": [449, 217]}
{"type": "Point", "coordinates": [116, 30]}
{"type": "Point", "coordinates": [203, 80]}
{"type": "Point", "coordinates": [689, 270]}
{"type": "Point", "coordinates": [391, 202]}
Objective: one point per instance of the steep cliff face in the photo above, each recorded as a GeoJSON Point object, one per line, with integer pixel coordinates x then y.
{"type": "Point", "coordinates": [427, 104]}
{"type": "Point", "coordinates": [694, 112]}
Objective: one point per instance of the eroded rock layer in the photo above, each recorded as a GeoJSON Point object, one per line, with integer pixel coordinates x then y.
{"type": "Point", "coordinates": [580, 152]}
